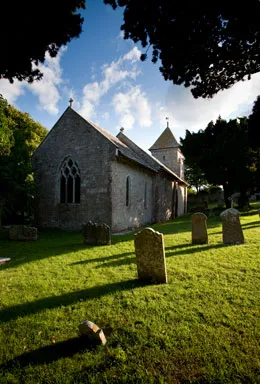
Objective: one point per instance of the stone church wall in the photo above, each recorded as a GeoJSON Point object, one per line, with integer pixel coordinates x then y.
{"type": "Point", "coordinates": [163, 197]}
{"type": "Point", "coordinates": [72, 137]}
{"type": "Point", "coordinates": [182, 200]}
{"type": "Point", "coordinates": [138, 212]}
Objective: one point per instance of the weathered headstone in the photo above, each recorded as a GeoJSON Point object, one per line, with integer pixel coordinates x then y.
{"type": "Point", "coordinates": [103, 234]}
{"type": "Point", "coordinates": [150, 256]}
{"type": "Point", "coordinates": [92, 332]}
{"type": "Point", "coordinates": [232, 231]}
{"type": "Point", "coordinates": [96, 234]}
{"type": "Point", "coordinates": [199, 228]}
{"type": "Point", "coordinates": [90, 233]}
{"type": "Point", "coordinates": [23, 233]}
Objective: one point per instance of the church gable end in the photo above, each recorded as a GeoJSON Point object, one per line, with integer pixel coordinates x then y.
{"type": "Point", "coordinates": [72, 172]}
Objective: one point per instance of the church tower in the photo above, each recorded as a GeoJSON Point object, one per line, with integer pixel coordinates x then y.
{"type": "Point", "coordinates": [167, 150]}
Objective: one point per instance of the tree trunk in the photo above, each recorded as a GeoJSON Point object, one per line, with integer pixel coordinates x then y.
{"type": "Point", "coordinates": [227, 195]}
{"type": "Point", "coordinates": [243, 200]}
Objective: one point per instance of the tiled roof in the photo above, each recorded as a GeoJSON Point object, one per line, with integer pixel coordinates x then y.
{"type": "Point", "coordinates": [165, 140]}
{"type": "Point", "coordinates": [131, 151]}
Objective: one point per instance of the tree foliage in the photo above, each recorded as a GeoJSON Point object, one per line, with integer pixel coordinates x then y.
{"type": "Point", "coordinates": [16, 179]}
{"type": "Point", "coordinates": [195, 176]}
{"type": "Point", "coordinates": [32, 29]}
{"type": "Point", "coordinates": [222, 152]}
{"type": "Point", "coordinates": [206, 45]}
{"type": "Point", "coordinates": [254, 125]}
{"type": "Point", "coordinates": [6, 137]}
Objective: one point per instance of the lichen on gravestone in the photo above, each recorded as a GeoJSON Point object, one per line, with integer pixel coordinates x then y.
{"type": "Point", "coordinates": [231, 227]}
{"type": "Point", "coordinates": [150, 256]}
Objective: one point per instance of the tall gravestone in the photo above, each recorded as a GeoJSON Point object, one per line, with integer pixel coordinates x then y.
{"type": "Point", "coordinates": [150, 256]}
{"type": "Point", "coordinates": [199, 228]}
{"type": "Point", "coordinates": [231, 227]}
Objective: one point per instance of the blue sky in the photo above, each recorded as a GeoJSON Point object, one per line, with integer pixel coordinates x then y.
{"type": "Point", "coordinates": [112, 88]}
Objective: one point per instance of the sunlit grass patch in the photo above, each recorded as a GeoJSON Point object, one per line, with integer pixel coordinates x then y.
{"type": "Point", "coordinates": [201, 327]}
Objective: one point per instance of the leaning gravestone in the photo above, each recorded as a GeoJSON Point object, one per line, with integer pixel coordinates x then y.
{"type": "Point", "coordinates": [232, 231]}
{"type": "Point", "coordinates": [199, 228]}
{"type": "Point", "coordinates": [96, 234]}
{"type": "Point", "coordinates": [150, 256]}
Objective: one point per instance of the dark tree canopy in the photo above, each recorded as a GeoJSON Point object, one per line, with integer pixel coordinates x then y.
{"type": "Point", "coordinates": [208, 45]}
{"type": "Point", "coordinates": [31, 29]}
{"type": "Point", "coordinates": [223, 154]}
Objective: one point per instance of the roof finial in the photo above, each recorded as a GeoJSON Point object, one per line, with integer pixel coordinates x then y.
{"type": "Point", "coordinates": [122, 129]}
{"type": "Point", "coordinates": [71, 101]}
{"type": "Point", "coordinates": [167, 119]}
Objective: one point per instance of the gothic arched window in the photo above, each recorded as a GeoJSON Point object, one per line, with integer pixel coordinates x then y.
{"type": "Point", "coordinates": [70, 182]}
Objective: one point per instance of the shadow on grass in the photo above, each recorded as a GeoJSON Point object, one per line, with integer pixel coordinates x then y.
{"type": "Point", "coordinates": [117, 263]}
{"type": "Point", "coordinates": [193, 249]}
{"type": "Point", "coordinates": [21, 310]}
{"type": "Point", "coordinates": [252, 224]}
{"type": "Point", "coordinates": [102, 259]}
{"type": "Point", "coordinates": [50, 353]}
{"type": "Point", "coordinates": [49, 244]}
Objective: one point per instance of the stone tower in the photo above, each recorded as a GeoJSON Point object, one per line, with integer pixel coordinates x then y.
{"type": "Point", "coordinates": [167, 150]}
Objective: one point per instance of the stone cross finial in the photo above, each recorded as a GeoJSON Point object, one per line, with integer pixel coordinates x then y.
{"type": "Point", "coordinates": [122, 129]}
{"type": "Point", "coordinates": [71, 101]}
{"type": "Point", "coordinates": [167, 119]}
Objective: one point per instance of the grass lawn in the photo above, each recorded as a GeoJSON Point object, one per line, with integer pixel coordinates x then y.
{"type": "Point", "coordinates": [201, 327]}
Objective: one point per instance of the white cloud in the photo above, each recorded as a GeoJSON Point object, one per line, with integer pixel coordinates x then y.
{"type": "Point", "coordinates": [112, 74]}
{"type": "Point", "coordinates": [131, 107]}
{"type": "Point", "coordinates": [185, 112]}
{"type": "Point", "coordinates": [47, 89]}
{"type": "Point", "coordinates": [11, 91]}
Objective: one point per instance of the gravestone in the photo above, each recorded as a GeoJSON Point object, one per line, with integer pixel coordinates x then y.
{"type": "Point", "coordinates": [103, 234]}
{"type": "Point", "coordinates": [231, 227]}
{"type": "Point", "coordinates": [199, 228]}
{"type": "Point", "coordinates": [90, 233]}
{"type": "Point", "coordinates": [150, 256]}
{"type": "Point", "coordinates": [96, 234]}
{"type": "Point", "coordinates": [23, 233]}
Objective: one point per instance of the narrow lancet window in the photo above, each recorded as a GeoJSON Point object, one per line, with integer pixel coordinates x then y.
{"type": "Point", "coordinates": [145, 195]}
{"type": "Point", "coordinates": [127, 191]}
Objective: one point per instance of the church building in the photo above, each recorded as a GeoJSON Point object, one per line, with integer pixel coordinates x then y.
{"type": "Point", "coordinates": [83, 173]}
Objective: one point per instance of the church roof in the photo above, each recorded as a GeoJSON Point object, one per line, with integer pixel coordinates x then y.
{"type": "Point", "coordinates": [126, 148]}
{"type": "Point", "coordinates": [130, 150]}
{"type": "Point", "coordinates": [165, 140]}
{"type": "Point", "coordinates": [151, 160]}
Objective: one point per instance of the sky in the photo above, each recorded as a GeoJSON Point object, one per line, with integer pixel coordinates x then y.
{"type": "Point", "coordinates": [112, 88]}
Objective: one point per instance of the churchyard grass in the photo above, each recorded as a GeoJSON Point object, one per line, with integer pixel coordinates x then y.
{"type": "Point", "coordinates": [201, 327]}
